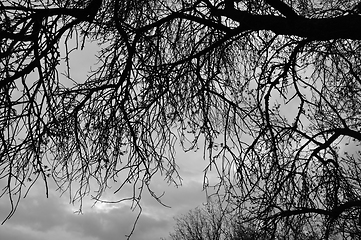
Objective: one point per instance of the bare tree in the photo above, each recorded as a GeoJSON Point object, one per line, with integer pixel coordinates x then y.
{"type": "Point", "coordinates": [272, 87]}
{"type": "Point", "coordinates": [215, 220]}
{"type": "Point", "coordinates": [198, 224]}
{"type": "Point", "coordinates": [212, 221]}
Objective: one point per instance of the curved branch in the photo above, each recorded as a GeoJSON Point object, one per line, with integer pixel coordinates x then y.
{"type": "Point", "coordinates": [342, 27]}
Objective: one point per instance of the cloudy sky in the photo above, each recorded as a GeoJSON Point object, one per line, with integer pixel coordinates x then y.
{"type": "Point", "coordinates": [40, 218]}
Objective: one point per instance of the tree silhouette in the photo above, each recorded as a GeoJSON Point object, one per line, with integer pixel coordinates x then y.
{"type": "Point", "coordinates": [212, 221]}
{"type": "Point", "coordinates": [215, 220]}
{"type": "Point", "coordinates": [271, 88]}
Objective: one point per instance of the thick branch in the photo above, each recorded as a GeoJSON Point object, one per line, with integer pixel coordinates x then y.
{"type": "Point", "coordinates": [301, 211]}
{"type": "Point", "coordinates": [342, 27]}
{"type": "Point", "coordinates": [283, 8]}
{"type": "Point", "coordinates": [335, 213]}
{"type": "Point", "coordinates": [87, 13]}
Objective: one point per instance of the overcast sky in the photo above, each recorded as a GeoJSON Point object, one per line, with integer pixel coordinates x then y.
{"type": "Point", "coordinates": [40, 218]}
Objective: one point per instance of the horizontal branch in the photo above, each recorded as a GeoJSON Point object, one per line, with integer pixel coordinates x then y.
{"type": "Point", "coordinates": [342, 27]}
{"type": "Point", "coordinates": [334, 213]}
{"type": "Point", "coordinates": [47, 12]}
{"type": "Point", "coordinates": [301, 211]}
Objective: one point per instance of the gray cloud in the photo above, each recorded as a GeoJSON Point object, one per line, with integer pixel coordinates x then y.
{"type": "Point", "coordinates": [41, 218]}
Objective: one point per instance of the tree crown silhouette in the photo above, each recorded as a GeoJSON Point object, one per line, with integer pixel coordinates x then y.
{"type": "Point", "coordinates": [271, 88]}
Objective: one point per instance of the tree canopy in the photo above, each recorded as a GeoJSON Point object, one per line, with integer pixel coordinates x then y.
{"type": "Point", "coordinates": [270, 88]}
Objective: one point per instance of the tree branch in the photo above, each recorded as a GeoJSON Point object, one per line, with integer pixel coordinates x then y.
{"type": "Point", "coordinates": [289, 213]}
{"type": "Point", "coordinates": [283, 8]}
{"type": "Point", "coordinates": [334, 213]}
{"type": "Point", "coordinates": [342, 27]}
